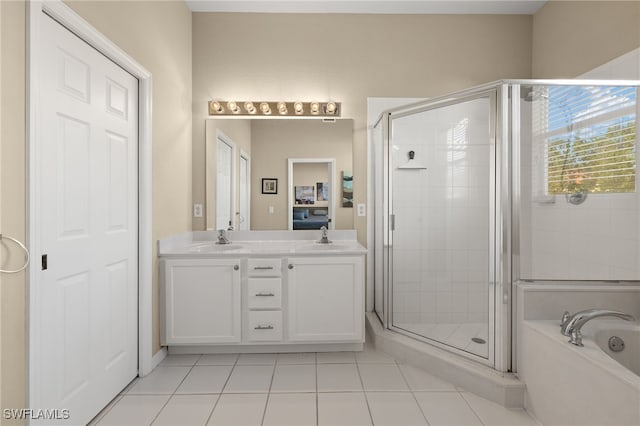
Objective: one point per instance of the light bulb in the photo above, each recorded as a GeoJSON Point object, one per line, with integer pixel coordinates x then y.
{"type": "Point", "coordinates": [315, 107]}
{"type": "Point", "coordinates": [298, 108]}
{"type": "Point", "coordinates": [282, 108]}
{"type": "Point", "coordinates": [265, 108]}
{"type": "Point", "coordinates": [251, 109]}
{"type": "Point", "coordinates": [330, 108]}
{"type": "Point", "coordinates": [217, 107]}
{"type": "Point", "coordinates": [233, 107]}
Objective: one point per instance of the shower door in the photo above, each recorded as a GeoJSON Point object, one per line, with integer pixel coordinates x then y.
{"type": "Point", "coordinates": [441, 192]}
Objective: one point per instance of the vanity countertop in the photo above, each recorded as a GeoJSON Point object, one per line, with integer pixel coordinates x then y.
{"type": "Point", "coordinates": [260, 243]}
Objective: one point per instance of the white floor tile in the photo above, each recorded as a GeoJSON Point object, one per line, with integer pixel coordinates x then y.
{"type": "Point", "coordinates": [493, 414]}
{"type": "Point", "coordinates": [382, 377]}
{"type": "Point", "coordinates": [294, 409]}
{"type": "Point", "coordinates": [257, 359]}
{"type": "Point", "coordinates": [294, 378]}
{"type": "Point", "coordinates": [239, 410]}
{"type": "Point", "coordinates": [179, 360]}
{"type": "Point", "coordinates": [446, 409]}
{"type": "Point", "coordinates": [335, 357]}
{"type": "Point", "coordinates": [205, 379]}
{"type": "Point", "coordinates": [162, 380]}
{"type": "Point", "coordinates": [420, 380]}
{"type": "Point", "coordinates": [105, 410]}
{"type": "Point", "coordinates": [371, 355]}
{"type": "Point", "coordinates": [297, 358]}
{"type": "Point", "coordinates": [342, 409]}
{"type": "Point", "coordinates": [249, 379]}
{"type": "Point", "coordinates": [186, 410]}
{"type": "Point", "coordinates": [394, 409]}
{"type": "Point", "coordinates": [218, 359]}
{"type": "Point", "coordinates": [134, 410]}
{"type": "Point", "coordinates": [338, 378]}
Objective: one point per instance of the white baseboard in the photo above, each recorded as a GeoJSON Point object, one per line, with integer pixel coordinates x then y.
{"type": "Point", "coordinates": [158, 357]}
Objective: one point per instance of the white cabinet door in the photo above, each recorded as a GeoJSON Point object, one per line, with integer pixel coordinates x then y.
{"type": "Point", "coordinates": [202, 301]}
{"type": "Point", "coordinates": [325, 299]}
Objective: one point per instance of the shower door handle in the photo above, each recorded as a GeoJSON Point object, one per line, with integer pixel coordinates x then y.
{"type": "Point", "coordinates": [392, 222]}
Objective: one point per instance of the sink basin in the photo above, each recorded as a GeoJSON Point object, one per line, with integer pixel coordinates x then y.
{"type": "Point", "coordinates": [213, 248]}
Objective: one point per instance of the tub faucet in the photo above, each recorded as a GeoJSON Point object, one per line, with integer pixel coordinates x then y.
{"type": "Point", "coordinates": [325, 238]}
{"type": "Point", "coordinates": [572, 324]}
{"type": "Point", "coordinates": [222, 237]}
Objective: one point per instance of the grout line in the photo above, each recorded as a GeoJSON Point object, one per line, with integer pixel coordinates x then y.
{"type": "Point", "coordinates": [366, 398]}
{"type": "Point", "coordinates": [266, 404]}
{"type": "Point", "coordinates": [174, 391]}
{"type": "Point", "coordinates": [470, 407]}
{"type": "Point", "coordinates": [317, 402]}
{"type": "Point", "coordinates": [413, 395]}
{"type": "Point", "coordinates": [223, 386]}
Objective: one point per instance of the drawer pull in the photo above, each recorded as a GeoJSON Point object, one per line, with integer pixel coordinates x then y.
{"type": "Point", "coordinates": [263, 327]}
{"type": "Point", "coordinates": [265, 294]}
{"type": "Point", "coordinates": [236, 267]}
{"type": "Point", "coordinates": [263, 268]}
{"type": "Point", "coordinates": [290, 266]}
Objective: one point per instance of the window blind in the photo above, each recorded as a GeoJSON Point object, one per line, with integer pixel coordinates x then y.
{"type": "Point", "coordinates": [589, 135]}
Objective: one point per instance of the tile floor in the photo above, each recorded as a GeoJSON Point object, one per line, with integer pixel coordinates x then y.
{"type": "Point", "coordinates": [340, 388]}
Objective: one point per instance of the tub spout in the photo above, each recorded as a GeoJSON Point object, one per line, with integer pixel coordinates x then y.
{"type": "Point", "coordinates": [573, 327]}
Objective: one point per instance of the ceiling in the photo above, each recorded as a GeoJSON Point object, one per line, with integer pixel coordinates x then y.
{"type": "Point", "coordinates": [507, 7]}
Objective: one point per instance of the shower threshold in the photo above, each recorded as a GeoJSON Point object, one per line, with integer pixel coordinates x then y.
{"type": "Point", "coordinates": [502, 388]}
{"type": "Point", "coordinates": [469, 337]}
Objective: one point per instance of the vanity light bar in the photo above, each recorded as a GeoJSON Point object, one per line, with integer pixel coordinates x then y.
{"type": "Point", "coordinates": [275, 109]}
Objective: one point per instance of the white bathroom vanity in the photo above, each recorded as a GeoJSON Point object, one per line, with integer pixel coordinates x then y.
{"type": "Point", "coordinates": [264, 291]}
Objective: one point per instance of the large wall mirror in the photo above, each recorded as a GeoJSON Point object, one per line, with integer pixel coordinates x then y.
{"type": "Point", "coordinates": [278, 174]}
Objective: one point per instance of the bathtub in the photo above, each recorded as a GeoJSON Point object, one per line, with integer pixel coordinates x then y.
{"type": "Point", "coordinates": [589, 385]}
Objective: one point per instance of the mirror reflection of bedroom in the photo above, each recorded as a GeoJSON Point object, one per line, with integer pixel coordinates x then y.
{"type": "Point", "coordinates": [248, 167]}
{"type": "Point", "coordinates": [313, 194]}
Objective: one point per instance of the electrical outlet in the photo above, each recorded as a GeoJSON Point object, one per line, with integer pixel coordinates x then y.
{"type": "Point", "coordinates": [362, 209]}
{"type": "Point", "coordinates": [271, 209]}
{"type": "Point", "coordinates": [197, 210]}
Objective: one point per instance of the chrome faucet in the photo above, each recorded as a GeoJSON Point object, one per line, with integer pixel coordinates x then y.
{"type": "Point", "coordinates": [222, 237]}
{"type": "Point", "coordinates": [324, 239]}
{"type": "Point", "coordinates": [572, 324]}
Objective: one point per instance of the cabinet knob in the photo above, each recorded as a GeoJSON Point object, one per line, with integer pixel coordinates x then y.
{"type": "Point", "coordinates": [290, 266]}
{"type": "Point", "coordinates": [236, 267]}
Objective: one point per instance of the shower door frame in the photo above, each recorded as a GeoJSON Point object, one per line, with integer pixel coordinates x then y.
{"type": "Point", "coordinates": [499, 300]}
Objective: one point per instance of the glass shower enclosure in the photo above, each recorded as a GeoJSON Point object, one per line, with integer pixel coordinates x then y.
{"type": "Point", "coordinates": [457, 181]}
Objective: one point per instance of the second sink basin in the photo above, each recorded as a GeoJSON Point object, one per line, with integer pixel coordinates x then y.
{"type": "Point", "coordinates": [323, 247]}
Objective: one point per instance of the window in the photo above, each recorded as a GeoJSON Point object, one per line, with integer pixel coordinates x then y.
{"type": "Point", "coordinates": [589, 137]}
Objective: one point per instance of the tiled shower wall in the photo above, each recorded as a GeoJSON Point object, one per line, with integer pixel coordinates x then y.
{"type": "Point", "coordinates": [597, 240]}
{"type": "Point", "coordinates": [441, 238]}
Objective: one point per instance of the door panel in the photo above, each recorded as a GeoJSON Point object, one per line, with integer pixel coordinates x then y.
{"type": "Point", "coordinates": [87, 214]}
{"type": "Point", "coordinates": [442, 236]}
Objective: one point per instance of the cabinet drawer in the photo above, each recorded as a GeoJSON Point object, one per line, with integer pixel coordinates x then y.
{"type": "Point", "coordinates": [264, 267]}
{"type": "Point", "coordinates": [265, 326]}
{"type": "Point", "coordinates": [264, 293]}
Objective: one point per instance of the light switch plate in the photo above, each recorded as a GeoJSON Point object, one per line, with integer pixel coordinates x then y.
{"type": "Point", "coordinates": [197, 210]}
{"type": "Point", "coordinates": [270, 209]}
{"type": "Point", "coordinates": [362, 209]}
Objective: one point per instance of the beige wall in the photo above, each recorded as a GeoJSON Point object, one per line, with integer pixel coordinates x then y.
{"type": "Point", "coordinates": [239, 131]}
{"type": "Point", "coordinates": [157, 35]}
{"type": "Point", "coordinates": [347, 58]}
{"type": "Point", "coordinates": [12, 177]}
{"type": "Point", "coordinates": [573, 37]}
{"type": "Point", "coordinates": [274, 143]}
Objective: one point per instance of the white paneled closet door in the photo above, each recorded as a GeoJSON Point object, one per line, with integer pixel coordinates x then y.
{"type": "Point", "coordinates": [88, 218]}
